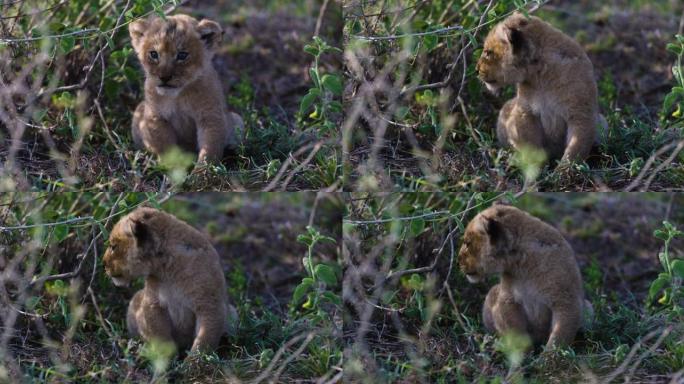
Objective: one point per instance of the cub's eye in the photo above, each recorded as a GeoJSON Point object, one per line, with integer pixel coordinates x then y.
{"type": "Point", "coordinates": [181, 56]}
{"type": "Point", "coordinates": [154, 55]}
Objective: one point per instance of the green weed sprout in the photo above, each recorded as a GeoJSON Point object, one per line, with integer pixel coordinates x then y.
{"type": "Point", "coordinates": [322, 279]}
{"type": "Point", "coordinates": [668, 282]}
{"type": "Point", "coordinates": [676, 96]}
{"type": "Point", "coordinates": [326, 88]}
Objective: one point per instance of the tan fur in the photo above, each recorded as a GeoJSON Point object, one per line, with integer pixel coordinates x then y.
{"type": "Point", "coordinates": [184, 300]}
{"type": "Point", "coordinates": [540, 293]}
{"type": "Point", "coordinates": [187, 108]}
{"type": "Point", "coordinates": [555, 108]}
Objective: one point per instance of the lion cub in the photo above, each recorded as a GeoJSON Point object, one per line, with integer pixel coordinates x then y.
{"type": "Point", "coordinates": [555, 108]}
{"type": "Point", "coordinates": [540, 293]}
{"type": "Point", "coordinates": [184, 300]}
{"type": "Point", "coordinates": [184, 102]}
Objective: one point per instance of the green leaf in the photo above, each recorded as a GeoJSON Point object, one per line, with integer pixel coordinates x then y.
{"type": "Point", "coordinates": [131, 74]}
{"type": "Point", "coordinates": [56, 27]}
{"type": "Point", "coordinates": [67, 44]}
{"type": "Point", "coordinates": [335, 106]}
{"type": "Point", "coordinates": [333, 298]}
{"type": "Point", "coordinates": [678, 268]}
{"type": "Point", "coordinates": [660, 234]}
{"type": "Point", "coordinates": [310, 299]}
{"type": "Point", "coordinates": [326, 274]}
{"type": "Point", "coordinates": [327, 239]}
{"type": "Point", "coordinates": [308, 100]}
{"type": "Point", "coordinates": [430, 42]}
{"type": "Point", "coordinates": [265, 357]}
{"type": "Point", "coordinates": [332, 83]}
{"type": "Point", "coordinates": [415, 282]}
{"type": "Point", "coordinates": [311, 50]}
{"type": "Point", "coordinates": [674, 48]}
{"type": "Point", "coordinates": [314, 77]}
{"type": "Point", "coordinates": [305, 261]}
{"type": "Point", "coordinates": [304, 239]}
{"type": "Point", "coordinates": [417, 226]}
{"type": "Point", "coordinates": [61, 232]}
{"type": "Point", "coordinates": [57, 288]}
{"type": "Point", "coordinates": [656, 286]}
{"type": "Point", "coordinates": [118, 55]}
{"type": "Point", "coordinates": [662, 256]}
{"type": "Point", "coordinates": [635, 166]}
{"type": "Point", "coordinates": [301, 289]}
{"type": "Point", "coordinates": [176, 163]}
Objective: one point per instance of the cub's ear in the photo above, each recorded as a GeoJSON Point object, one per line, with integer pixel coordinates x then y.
{"type": "Point", "coordinates": [211, 33]}
{"type": "Point", "coordinates": [517, 40]}
{"type": "Point", "coordinates": [512, 31]}
{"type": "Point", "coordinates": [137, 30]}
{"type": "Point", "coordinates": [495, 231]}
{"type": "Point", "coordinates": [140, 230]}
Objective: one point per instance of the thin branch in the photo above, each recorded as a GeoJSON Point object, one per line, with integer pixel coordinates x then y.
{"type": "Point", "coordinates": [69, 221]}
{"type": "Point", "coordinates": [678, 146]}
{"type": "Point", "coordinates": [393, 37]}
{"type": "Point", "coordinates": [403, 218]}
{"type": "Point", "coordinates": [28, 39]}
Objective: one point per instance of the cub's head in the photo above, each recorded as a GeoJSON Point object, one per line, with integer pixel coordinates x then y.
{"type": "Point", "coordinates": [484, 247]}
{"type": "Point", "coordinates": [174, 51]}
{"type": "Point", "coordinates": [506, 53]}
{"type": "Point", "coordinates": [131, 247]}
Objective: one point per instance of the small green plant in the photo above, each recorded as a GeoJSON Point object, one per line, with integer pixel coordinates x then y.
{"type": "Point", "coordinates": [513, 345]}
{"type": "Point", "coordinates": [159, 353]}
{"type": "Point", "coordinates": [530, 160]}
{"type": "Point", "coordinates": [320, 285]}
{"type": "Point", "coordinates": [676, 97]}
{"type": "Point", "coordinates": [176, 163]}
{"type": "Point", "coordinates": [322, 97]}
{"type": "Point", "coordinates": [668, 282]}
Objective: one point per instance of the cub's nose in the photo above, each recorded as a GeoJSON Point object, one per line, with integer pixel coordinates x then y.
{"type": "Point", "coordinates": [165, 79]}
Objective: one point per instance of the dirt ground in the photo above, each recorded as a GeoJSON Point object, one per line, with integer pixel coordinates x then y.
{"type": "Point", "coordinates": [615, 230]}
{"type": "Point", "coordinates": [626, 43]}
{"type": "Point", "coordinates": [266, 47]}
{"type": "Point", "coordinates": [265, 246]}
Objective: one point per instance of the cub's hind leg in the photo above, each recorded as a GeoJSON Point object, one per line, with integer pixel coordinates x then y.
{"type": "Point", "coordinates": [518, 127]}
{"type": "Point", "coordinates": [581, 136]}
{"type": "Point", "coordinates": [146, 318]}
{"type": "Point", "coordinates": [502, 314]}
{"type": "Point", "coordinates": [566, 320]}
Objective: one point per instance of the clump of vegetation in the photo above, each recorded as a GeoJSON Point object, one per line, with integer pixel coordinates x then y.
{"type": "Point", "coordinates": [64, 320]}
{"type": "Point", "coordinates": [72, 82]}
{"type": "Point", "coordinates": [419, 118]}
{"type": "Point", "coordinates": [411, 315]}
{"type": "Point", "coordinates": [670, 280]}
